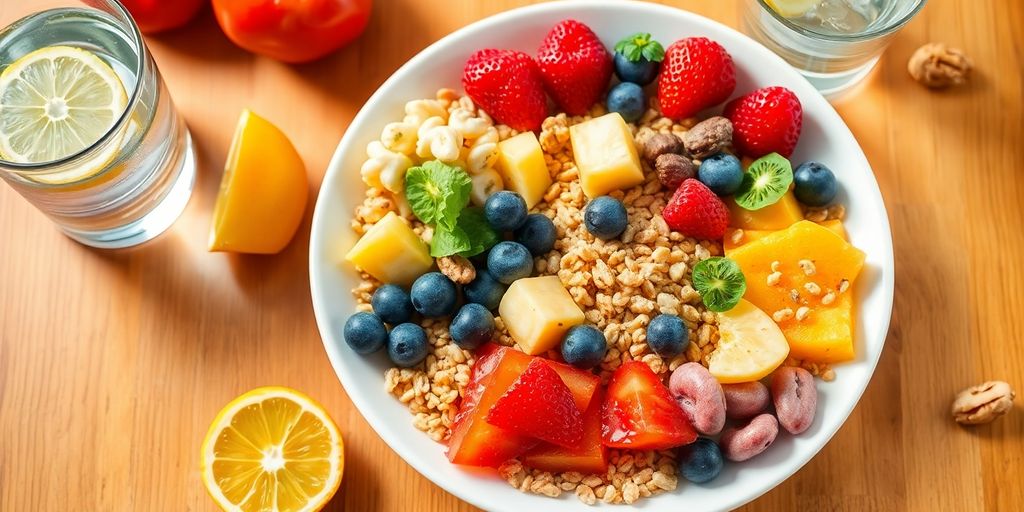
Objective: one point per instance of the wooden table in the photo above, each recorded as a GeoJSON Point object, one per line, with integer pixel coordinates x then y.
{"type": "Point", "coordinates": [112, 364]}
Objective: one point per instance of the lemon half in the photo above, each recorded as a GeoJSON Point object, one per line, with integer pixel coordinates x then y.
{"type": "Point", "coordinates": [272, 449]}
{"type": "Point", "coordinates": [55, 102]}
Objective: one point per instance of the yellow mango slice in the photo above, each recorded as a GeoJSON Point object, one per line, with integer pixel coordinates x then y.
{"type": "Point", "coordinates": [777, 216]}
{"type": "Point", "coordinates": [521, 165]}
{"type": "Point", "coordinates": [745, 236]}
{"type": "Point", "coordinates": [537, 312]}
{"type": "Point", "coordinates": [392, 252]}
{"type": "Point", "coordinates": [606, 155]}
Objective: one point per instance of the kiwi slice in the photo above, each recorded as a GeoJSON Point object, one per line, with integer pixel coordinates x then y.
{"type": "Point", "coordinates": [720, 283]}
{"type": "Point", "coordinates": [765, 182]}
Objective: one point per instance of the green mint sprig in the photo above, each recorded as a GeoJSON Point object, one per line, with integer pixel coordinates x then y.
{"type": "Point", "coordinates": [640, 45]}
{"type": "Point", "coordinates": [438, 194]}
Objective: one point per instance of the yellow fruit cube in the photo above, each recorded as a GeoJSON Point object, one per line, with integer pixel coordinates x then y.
{"type": "Point", "coordinates": [521, 164]}
{"type": "Point", "coordinates": [737, 237]}
{"type": "Point", "coordinates": [777, 216]}
{"type": "Point", "coordinates": [606, 155]}
{"type": "Point", "coordinates": [392, 252]}
{"type": "Point", "coordinates": [537, 312]}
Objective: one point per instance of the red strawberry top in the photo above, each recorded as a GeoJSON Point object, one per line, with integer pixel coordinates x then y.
{"type": "Point", "coordinates": [695, 211]}
{"type": "Point", "coordinates": [508, 86]}
{"type": "Point", "coordinates": [765, 121]}
{"type": "Point", "coordinates": [575, 66]}
{"type": "Point", "coordinates": [697, 73]}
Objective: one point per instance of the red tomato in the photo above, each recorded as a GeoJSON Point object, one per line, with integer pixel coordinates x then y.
{"type": "Point", "coordinates": [292, 30]}
{"type": "Point", "coordinates": [153, 16]}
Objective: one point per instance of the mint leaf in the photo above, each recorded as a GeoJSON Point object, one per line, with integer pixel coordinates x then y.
{"type": "Point", "coordinates": [478, 231]}
{"type": "Point", "coordinates": [640, 45]}
{"type": "Point", "coordinates": [653, 51]}
{"type": "Point", "coordinates": [437, 192]}
{"type": "Point", "coordinates": [448, 242]}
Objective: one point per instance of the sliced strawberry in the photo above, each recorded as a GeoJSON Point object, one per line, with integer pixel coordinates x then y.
{"type": "Point", "coordinates": [575, 66]}
{"type": "Point", "coordinates": [765, 121]}
{"type": "Point", "coordinates": [590, 456]}
{"type": "Point", "coordinates": [697, 73]}
{"type": "Point", "coordinates": [695, 211]}
{"type": "Point", "coordinates": [640, 414]}
{"type": "Point", "coordinates": [508, 86]}
{"type": "Point", "coordinates": [539, 405]}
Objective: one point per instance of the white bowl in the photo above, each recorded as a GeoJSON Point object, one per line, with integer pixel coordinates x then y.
{"type": "Point", "coordinates": [825, 138]}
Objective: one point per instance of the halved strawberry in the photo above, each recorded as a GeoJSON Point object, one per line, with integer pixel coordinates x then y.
{"type": "Point", "coordinates": [508, 86]}
{"type": "Point", "coordinates": [575, 66]}
{"type": "Point", "coordinates": [590, 456]}
{"type": "Point", "coordinates": [539, 405]}
{"type": "Point", "coordinates": [767, 120]}
{"type": "Point", "coordinates": [697, 73]}
{"type": "Point", "coordinates": [640, 414]}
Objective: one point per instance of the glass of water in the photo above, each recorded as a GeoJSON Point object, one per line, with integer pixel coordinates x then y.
{"type": "Point", "coordinates": [88, 133]}
{"type": "Point", "coordinates": [834, 43]}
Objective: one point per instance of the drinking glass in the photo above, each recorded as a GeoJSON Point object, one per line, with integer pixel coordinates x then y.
{"type": "Point", "coordinates": [834, 43]}
{"type": "Point", "coordinates": [131, 184]}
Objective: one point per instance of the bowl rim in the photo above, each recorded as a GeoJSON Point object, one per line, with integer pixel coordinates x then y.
{"type": "Point", "coordinates": [365, 405]}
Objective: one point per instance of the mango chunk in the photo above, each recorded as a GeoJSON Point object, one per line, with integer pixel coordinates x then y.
{"type": "Point", "coordinates": [392, 252]}
{"type": "Point", "coordinates": [780, 215]}
{"type": "Point", "coordinates": [537, 312]}
{"type": "Point", "coordinates": [606, 155]}
{"type": "Point", "coordinates": [521, 164]}
{"type": "Point", "coordinates": [825, 335]}
{"type": "Point", "coordinates": [745, 236]}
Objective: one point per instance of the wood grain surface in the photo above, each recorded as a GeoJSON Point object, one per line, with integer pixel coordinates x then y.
{"type": "Point", "coordinates": [112, 364]}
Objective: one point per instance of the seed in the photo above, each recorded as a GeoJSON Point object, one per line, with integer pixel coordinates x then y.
{"type": "Point", "coordinates": [773, 278]}
{"type": "Point", "coordinates": [807, 266]}
{"type": "Point", "coordinates": [829, 298]}
{"type": "Point", "coordinates": [794, 296]}
{"type": "Point", "coordinates": [812, 288]}
{"type": "Point", "coordinates": [775, 266]}
{"type": "Point", "coordinates": [844, 285]}
{"type": "Point", "coordinates": [802, 312]}
{"type": "Point", "coordinates": [737, 236]}
{"type": "Point", "coordinates": [782, 315]}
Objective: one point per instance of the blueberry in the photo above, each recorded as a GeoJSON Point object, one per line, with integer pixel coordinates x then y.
{"type": "Point", "coordinates": [365, 333]}
{"type": "Point", "coordinates": [509, 261]}
{"type": "Point", "coordinates": [722, 173]}
{"type": "Point", "coordinates": [392, 304]}
{"type": "Point", "coordinates": [407, 345]}
{"type": "Point", "coordinates": [641, 72]}
{"type": "Point", "coordinates": [472, 326]}
{"type": "Point", "coordinates": [667, 335]}
{"type": "Point", "coordinates": [627, 99]}
{"type": "Point", "coordinates": [605, 217]}
{"type": "Point", "coordinates": [505, 210]}
{"type": "Point", "coordinates": [700, 461]}
{"type": "Point", "coordinates": [537, 234]}
{"type": "Point", "coordinates": [433, 295]}
{"type": "Point", "coordinates": [584, 346]}
{"type": "Point", "coordinates": [485, 290]}
{"type": "Point", "coordinates": [815, 185]}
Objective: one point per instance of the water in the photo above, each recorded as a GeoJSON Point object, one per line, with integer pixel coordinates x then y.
{"type": "Point", "coordinates": [150, 168]}
{"type": "Point", "coordinates": [843, 16]}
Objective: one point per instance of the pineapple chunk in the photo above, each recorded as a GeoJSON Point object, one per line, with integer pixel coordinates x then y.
{"type": "Point", "coordinates": [537, 312]}
{"type": "Point", "coordinates": [391, 251]}
{"type": "Point", "coordinates": [605, 155]}
{"type": "Point", "coordinates": [522, 167]}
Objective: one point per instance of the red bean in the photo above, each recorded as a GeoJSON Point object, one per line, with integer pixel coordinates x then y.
{"type": "Point", "coordinates": [700, 395]}
{"type": "Point", "coordinates": [745, 400]}
{"type": "Point", "coordinates": [748, 441]}
{"type": "Point", "coordinates": [795, 397]}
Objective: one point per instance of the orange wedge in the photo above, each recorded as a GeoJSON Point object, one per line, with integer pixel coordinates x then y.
{"type": "Point", "coordinates": [263, 192]}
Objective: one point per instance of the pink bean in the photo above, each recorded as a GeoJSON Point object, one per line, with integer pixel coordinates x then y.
{"type": "Point", "coordinates": [745, 400]}
{"type": "Point", "coordinates": [700, 395]}
{"type": "Point", "coordinates": [795, 397]}
{"type": "Point", "coordinates": [748, 441]}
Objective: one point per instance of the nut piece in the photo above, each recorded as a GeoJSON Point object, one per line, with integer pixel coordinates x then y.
{"type": "Point", "coordinates": [935, 65]}
{"type": "Point", "coordinates": [708, 137]}
{"type": "Point", "coordinates": [673, 169]}
{"type": "Point", "coordinates": [457, 268]}
{"type": "Point", "coordinates": [700, 396]}
{"type": "Point", "coordinates": [660, 144]}
{"type": "Point", "coordinates": [795, 397]}
{"type": "Point", "coordinates": [745, 442]}
{"type": "Point", "coordinates": [983, 403]}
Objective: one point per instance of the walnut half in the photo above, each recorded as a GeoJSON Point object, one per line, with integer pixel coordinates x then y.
{"type": "Point", "coordinates": [936, 65]}
{"type": "Point", "coordinates": [983, 403]}
{"type": "Point", "coordinates": [457, 268]}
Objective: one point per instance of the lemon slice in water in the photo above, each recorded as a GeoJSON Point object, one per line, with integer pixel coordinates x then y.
{"type": "Point", "coordinates": [793, 8]}
{"type": "Point", "coordinates": [55, 102]}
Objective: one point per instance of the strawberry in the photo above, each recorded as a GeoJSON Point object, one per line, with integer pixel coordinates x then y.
{"type": "Point", "coordinates": [696, 211]}
{"type": "Point", "coordinates": [765, 121]}
{"type": "Point", "coordinates": [640, 414]}
{"type": "Point", "coordinates": [575, 66]}
{"type": "Point", "coordinates": [697, 73]}
{"type": "Point", "coordinates": [539, 405]}
{"type": "Point", "coordinates": [508, 86]}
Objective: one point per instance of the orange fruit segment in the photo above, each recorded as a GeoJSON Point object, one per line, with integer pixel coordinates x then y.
{"type": "Point", "coordinates": [272, 449]}
{"type": "Point", "coordinates": [263, 192]}
{"type": "Point", "coordinates": [745, 236]}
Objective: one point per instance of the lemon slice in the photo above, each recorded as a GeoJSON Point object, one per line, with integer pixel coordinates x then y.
{"type": "Point", "coordinates": [272, 449]}
{"type": "Point", "coordinates": [55, 102]}
{"type": "Point", "coordinates": [751, 345]}
{"type": "Point", "coordinates": [792, 8]}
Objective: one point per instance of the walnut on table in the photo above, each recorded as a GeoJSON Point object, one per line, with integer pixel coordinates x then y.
{"type": "Point", "coordinates": [937, 66]}
{"type": "Point", "coordinates": [983, 403]}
